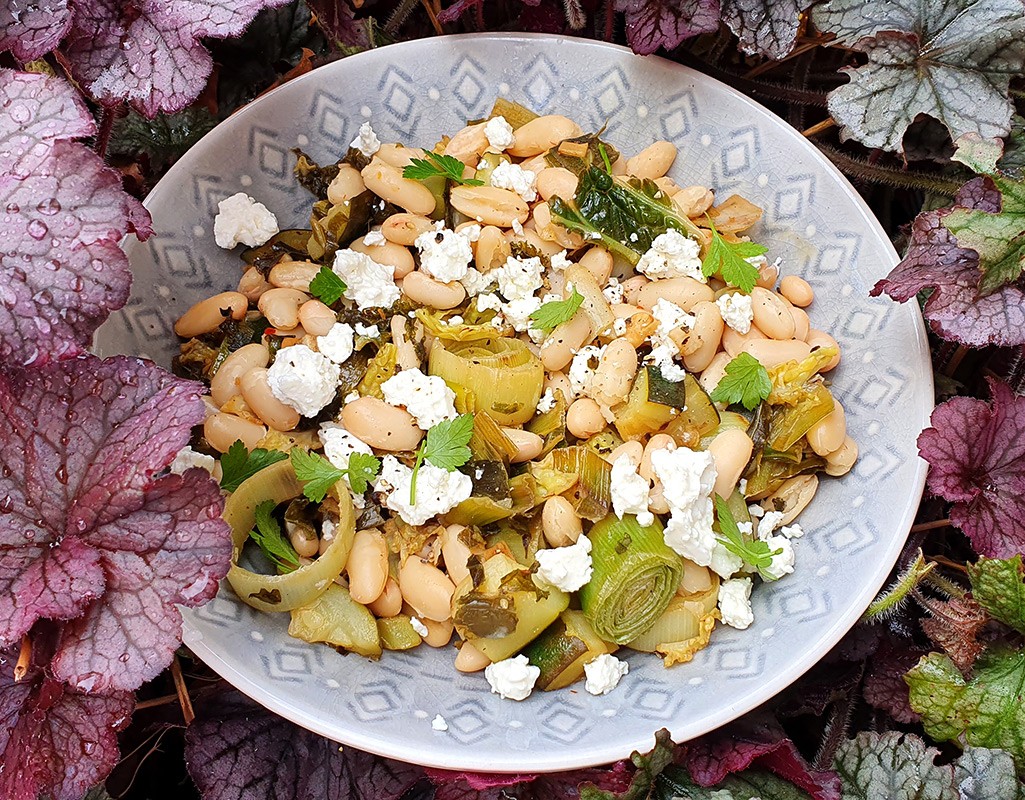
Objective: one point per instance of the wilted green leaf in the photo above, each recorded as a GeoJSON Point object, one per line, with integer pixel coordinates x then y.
{"type": "Point", "coordinates": [892, 765]}
{"type": "Point", "coordinates": [675, 784]}
{"type": "Point", "coordinates": [986, 711]}
{"type": "Point", "coordinates": [950, 59]}
{"type": "Point", "coordinates": [649, 766]}
{"type": "Point", "coordinates": [998, 585]}
{"type": "Point", "coordinates": [984, 774]}
{"type": "Point", "coordinates": [162, 139]}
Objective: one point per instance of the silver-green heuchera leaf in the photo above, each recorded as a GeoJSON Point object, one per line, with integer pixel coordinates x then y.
{"type": "Point", "coordinates": [768, 27]}
{"type": "Point", "coordinates": [984, 774]}
{"type": "Point", "coordinates": [949, 59]}
{"type": "Point", "coordinates": [892, 765]}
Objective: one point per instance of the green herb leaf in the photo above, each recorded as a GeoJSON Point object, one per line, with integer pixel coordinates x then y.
{"type": "Point", "coordinates": [997, 586]}
{"type": "Point", "coordinates": [555, 312]}
{"type": "Point", "coordinates": [327, 287]}
{"type": "Point", "coordinates": [434, 165]}
{"type": "Point", "coordinates": [446, 446]}
{"type": "Point", "coordinates": [317, 473]}
{"type": "Point", "coordinates": [238, 464]}
{"type": "Point", "coordinates": [361, 470]}
{"type": "Point", "coordinates": [727, 259]}
{"type": "Point", "coordinates": [756, 553]}
{"type": "Point", "coordinates": [746, 382]}
{"type": "Point", "coordinates": [268, 537]}
{"type": "Point", "coordinates": [985, 711]}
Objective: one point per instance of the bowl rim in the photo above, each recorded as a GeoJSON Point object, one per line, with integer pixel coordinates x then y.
{"type": "Point", "coordinates": [554, 759]}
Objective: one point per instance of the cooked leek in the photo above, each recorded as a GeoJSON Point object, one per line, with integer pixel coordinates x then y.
{"type": "Point", "coordinates": [382, 366]}
{"type": "Point", "coordinates": [792, 375]}
{"type": "Point", "coordinates": [436, 325]}
{"type": "Point", "coordinates": [397, 633]}
{"type": "Point", "coordinates": [489, 442]}
{"type": "Point", "coordinates": [788, 423]}
{"type": "Point", "coordinates": [499, 375]}
{"type": "Point", "coordinates": [563, 649]}
{"type": "Point", "coordinates": [581, 475]}
{"type": "Point", "coordinates": [771, 469]}
{"type": "Point", "coordinates": [595, 304]}
{"type": "Point", "coordinates": [479, 511]}
{"type": "Point", "coordinates": [635, 577]}
{"type": "Point", "coordinates": [551, 424]}
{"type": "Point", "coordinates": [335, 618]}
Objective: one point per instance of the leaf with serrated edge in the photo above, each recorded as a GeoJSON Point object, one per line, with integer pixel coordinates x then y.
{"type": "Point", "coordinates": [766, 27]}
{"type": "Point", "coordinates": [950, 59]}
{"type": "Point", "coordinates": [982, 773]}
{"type": "Point", "coordinates": [32, 28]}
{"type": "Point", "coordinates": [651, 24]}
{"type": "Point", "coordinates": [998, 586]}
{"type": "Point", "coordinates": [892, 765]}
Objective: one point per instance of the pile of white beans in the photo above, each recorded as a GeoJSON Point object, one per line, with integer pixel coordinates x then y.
{"type": "Point", "coordinates": [241, 405]}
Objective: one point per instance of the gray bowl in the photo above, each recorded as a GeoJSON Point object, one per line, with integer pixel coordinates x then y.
{"type": "Point", "coordinates": [814, 220]}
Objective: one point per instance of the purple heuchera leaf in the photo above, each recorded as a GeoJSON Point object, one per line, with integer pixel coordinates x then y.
{"type": "Point", "coordinates": [62, 213]}
{"type": "Point", "coordinates": [976, 454]}
{"type": "Point", "coordinates": [884, 686]}
{"type": "Point", "coordinates": [767, 27]}
{"type": "Point", "coordinates": [31, 28]}
{"type": "Point", "coordinates": [614, 778]}
{"type": "Point", "coordinates": [933, 260]}
{"type": "Point", "coordinates": [337, 20]}
{"type": "Point", "coordinates": [148, 52]}
{"type": "Point", "coordinates": [88, 533]}
{"type": "Point", "coordinates": [761, 742]}
{"type": "Point", "coordinates": [651, 24]}
{"type": "Point", "coordinates": [236, 750]}
{"type": "Point", "coordinates": [54, 741]}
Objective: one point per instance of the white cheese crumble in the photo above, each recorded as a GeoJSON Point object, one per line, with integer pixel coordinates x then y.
{"type": "Point", "coordinates": [735, 603]}
{"type": "Point", "coordinates": [368, 284]}
{"type": "Point", "coordinates": [475, 281]}
{"type": "Point", "coordinates": [794, 531]}
{"type": "Point", "coordinates": [613, 291]}
{"type": "Point", "coordinates": [337, 343]}
{"type": "Point", "coordinates": [519, 277]}
{"type": "Point", "coordinates": [559, 261]}
{"type": "Point", "coordinates": [672, 255]}
{"type": "Point", "coordinates": [783, 562]}
{"type": "Point", "coordinates": [688, 477]}
{"type": "Point", "coordinates": [512, 678]}
{"type": "Point", "coordinates": [517, 227]}
{"type": "Point", "coordinates": [426, 397]}
{"type": "Point", "coordinates": [366, 140]}
{"type": "Point", "coordinates": [444, 255]}
{"type": "Point", "coordinates": [437, 490]}
{"type": "Point", "coordinates": [547, 401]}
{"type": "Point", "coordinates": [187, 458]}
{"type": "Point", "coordinates": [374, 238]}
{"type": "Point", "coordinates": [242, 220]}
{"type": "Point", "coordinates": [629, 490]}
{"type": "Point", "coordinates": [499, 133]}
{"type": "Point", "coordinates": [604, 673]}
{"type": "Point", "coordinates": [517, 312]}
{"type": "Point", "coordinates": [582, 368]}
{"type": "Point", "coordinates": [724, 563]}
{"type": "Point", "coordinates": [439, 723]}
{"type": "Point", "coordinates": [768, 523]}
{"type": "Point", "coordinates": [339, 445]}
{"type": "Point", "coordinates": [663, 349]}
{"type": "Point", "coordinates": [418, 626]}
{"type": "Point", "coordinates": [515, 178]}
{"type": "Point", "coordinates": [736, 311]}
{"type": "Point", "coordinates": [303, 379]}
{"type": "Point", "coordinates": [619, 328]}
{"type": "Point", "coordinates": [367, 331]}
{"type": "Point", "coordinates": [756, 511]}
{"type": "Point", "coordinates": [566, 568]}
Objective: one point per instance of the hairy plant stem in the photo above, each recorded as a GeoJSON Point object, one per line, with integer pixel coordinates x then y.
{"type": "Point", "coordinates": [862, 169]}
{"type": "Point", "coordinates": [110, 113]}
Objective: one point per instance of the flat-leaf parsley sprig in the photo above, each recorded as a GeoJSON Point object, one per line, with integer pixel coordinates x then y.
{"type": "Point", "coordinates": [319, 474]}
{"type": "Point", "coordinates": [755, 554]}
{"type": "Point", "coordinates": [746, 382]}
{"type": "Point", "coordinates": [446, 446]}
{"type": "Point", "coordinates": [729, 259]}
{"type": "Point", "coordinates": [555, 312]}
{"type": "Point", "coordinates": [434, 165]}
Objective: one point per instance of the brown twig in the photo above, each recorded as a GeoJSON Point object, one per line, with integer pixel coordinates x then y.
{"type": "Point", "coordinates": [153, 702]}
{"type": "Point", "coordinates": [943, 561]}
{"type": "Point", "coordinates": [930, 526]}
{"type": "Point", "coordinates": [955, 360]}
{"type": "Point", "coordinates": [818, 127]}
{"type": "Point", "coordinates": [188, 714]}
{"type": "Point", "coordinates": [24, 659]}
{"type": "Point", "coordinates": [433, 17]}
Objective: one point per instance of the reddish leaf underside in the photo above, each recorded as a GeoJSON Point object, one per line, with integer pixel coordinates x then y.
{"type": "Point", "coordinates": [87, 532]}
{"type": "Point", "coordinates": [976, 453]}
{"type": "Point", "coordinates": [62, 213]}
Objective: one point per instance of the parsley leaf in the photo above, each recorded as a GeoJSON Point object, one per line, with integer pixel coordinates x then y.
{"type": "Point", "coordinates": [268, 537]}
{"type": "Point", "coordinates": [727, 259]}
{"type": "Point", "coordinates": [755, 553]}
{"type": "Point", "coordinates": [327, 287]}
{"type": "Point", "coordinates": [435, 165]}
{"type": "Point", "coordinates": [446, 446]}
{"type": "Point", "coordinates": [238, 464]}
{"type": "Point", "coordinates": [362, 469]}
{"type": "Point", "coordinates": [555, 312]}
{"type": "Point", "coordinates": [746, 382]}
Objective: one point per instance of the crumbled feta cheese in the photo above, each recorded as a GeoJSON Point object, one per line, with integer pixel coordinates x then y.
{"type": "Point", "coordinates": [663, 349]}
{"type": "Point", "coordinates": [768, 523]}
{"type": "Point", "coordinates": [742, 486]}
{"type": "Point", "coordinates": [454, 320]}
{"type": "Point", "coordinates": [735, 603]}
{"type": "Point", "coordinates": [547, 402]}
{"type": "Point", "coordinates": [756, 511]}
{"type": "Point", "coordinates": [688, 477]}
{"type": "Point", "coordinates": [614, 291]}
{"type": "Point", "coordinates": [581, 369]}
{"type": "Point", "coordinates": [604, 673]}
{"type": "Point", "coordinates": [517, 227]}
{"type": "Point", "coordinates": [241, 220]}
{"type": "Point", "coordinates": [486, 302]}
{"type": "Point", "coordinates": [418, 626]}
{"type": "Point", "coordinates": [736, 311]}
{"type": "Point", "coordinates": [437, 490]}
{"type": "Point", "coordinates": [337, 343]}
{"type": "Point", "coordinates": [366, 141]}
{"type": "Point", "coordinates": [745, 529]}
{"type": "Point", "coordinates": [517, 312]}
{"type": "Point", "coordinates": [303, 379]}
{"type": "Point", "coordinates": [367, 331]}
{"type": "Point", "coordinates": [369, 284]}
{"type": "Point", "coordinates": [724, 563]}
{"type": "Point", "coordinates": [794, 531]}
{"type": "Point", "coordinates": [519, 277]}
{"type": "Point", "coordinates": [559, 261]}
{"type": "Point", "coordinates": [351, 397]}
{"type": "Point", "coordinates": [512, 678]}
{"type": "Point", "coordinates": [515, 178]}
{"type": "Point", "coordinates": [783, 562]}
{"type": "Point", "coordinates": [187, 458]}
{"type": "Point", "coordinates": [672, 255]}
{"type": "Point", "coordinates": [439, 724]}
{"type": "Point", "coordinates": [619, 327]}
{"type": "Point", "coordinates": [566, 568]}
{"type": "Point", "coordinates": [499, 133]}
{"type": "Point", "coordinates": [426, 397]}
{"type": "Point", "coordinates": [630, 490]}
{"type": "Point", "coordinates": [444, 255]}
{"type": "Point", "coordinates": [471, 232]}
{"type": "Point", "coordinates": [339, 444]}
{"type": "Point", "coordinates": [669, 317]}
{"type": "Point", "coordinates": [476, 282]}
